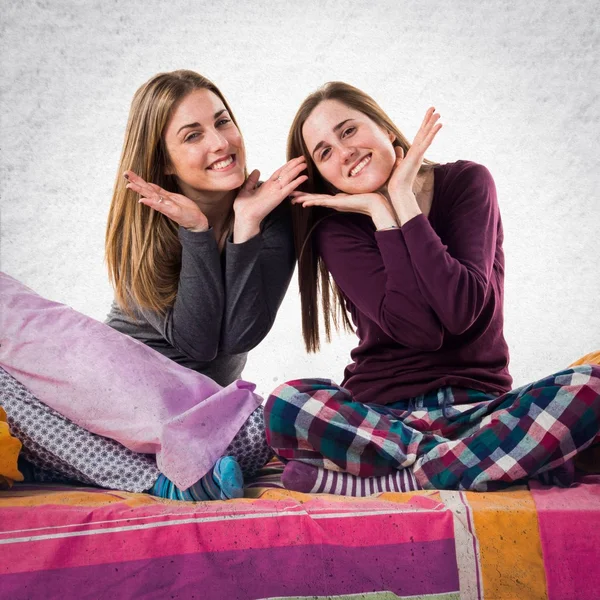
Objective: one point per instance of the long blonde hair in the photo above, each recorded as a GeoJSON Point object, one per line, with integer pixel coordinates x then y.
{"type": "Point", "coordinates": [314, 279]}
{"type": "Point", "coordinates": [143, 252]}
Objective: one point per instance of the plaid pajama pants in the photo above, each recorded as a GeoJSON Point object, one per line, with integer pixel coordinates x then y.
{"type": "Point", "coordinates": [451, 438]}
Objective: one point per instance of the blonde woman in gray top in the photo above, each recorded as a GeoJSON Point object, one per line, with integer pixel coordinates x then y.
{"type": "Point", "coordinates": [200, 255]}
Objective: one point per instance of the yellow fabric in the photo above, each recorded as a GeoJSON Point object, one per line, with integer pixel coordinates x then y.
{"type": "Point", "coordinates": [510, 549]}
{"type": "Point", "coordinates": [9, 452]}
{"type": "Point", "coordinates": [593, 358]}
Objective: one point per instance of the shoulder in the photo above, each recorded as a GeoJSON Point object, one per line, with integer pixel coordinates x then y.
{"type": "Point", "coordinates": [465, 185]}
{"type": "Point", "coordinates": [464, 173]}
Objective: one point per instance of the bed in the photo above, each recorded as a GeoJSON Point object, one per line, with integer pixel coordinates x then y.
{"type": "Point", "coordinates": [530, 543]}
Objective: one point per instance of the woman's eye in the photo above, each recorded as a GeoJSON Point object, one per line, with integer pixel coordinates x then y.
{"type": "Point", "coordinates": [223, 122]}
{"type": "Point", "coordinates": [348, 131]}
{"type": "Point", "coordinates": [325, 153]}
{"type": "Point", "coordinates": [192, 136]}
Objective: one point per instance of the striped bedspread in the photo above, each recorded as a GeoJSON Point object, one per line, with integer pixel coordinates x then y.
{"type": "Point", "coordinates": [67, 542]}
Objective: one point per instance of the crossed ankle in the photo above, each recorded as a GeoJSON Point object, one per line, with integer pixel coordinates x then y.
{"type": "Point", "coordinates": [301, 477]}
{"type": "Point", "coordinates": [223, 482]}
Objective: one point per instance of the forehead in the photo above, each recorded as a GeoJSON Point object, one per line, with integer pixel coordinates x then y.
{"type": "Point", "coordinates": [197, 106]}
{"type": "Point", "coordinates": [321, 121]}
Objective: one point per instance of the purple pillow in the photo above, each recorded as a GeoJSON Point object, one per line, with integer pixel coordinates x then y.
{"type": "Point", "coordinates": [115, 386]}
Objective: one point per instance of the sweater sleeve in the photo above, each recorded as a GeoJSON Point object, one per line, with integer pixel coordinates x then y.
{"type": "Point", "coordinates": [454, 276]}
{"type": "Point", "coordinates": [257, 275]}
{"type": "Point", "coordinates": [375, 274]}
{"type": "Point", "coordinates": [193, 323]}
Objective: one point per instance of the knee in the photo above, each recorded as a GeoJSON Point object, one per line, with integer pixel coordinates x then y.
{"type": "Point", "coordinates": [287, 399]}
{"type": "Point", "coordinates": [590, 370]}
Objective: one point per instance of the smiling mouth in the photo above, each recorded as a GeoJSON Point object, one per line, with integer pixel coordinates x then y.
{"type": "Point", "coordinates": [354, 171]}
{"type": "Point", "coordinates": [223, 164]}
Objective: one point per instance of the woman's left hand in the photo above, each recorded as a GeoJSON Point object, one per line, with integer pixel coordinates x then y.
{"type": "Point", "coordinates": [407, 167]}
{"type": "Point", "coordinates": [253, 202]}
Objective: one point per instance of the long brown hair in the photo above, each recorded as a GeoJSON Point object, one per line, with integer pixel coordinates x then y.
{"type": "Point", "coordinates": [314, 279]}
{"type": "Point", "coordinates": [143, 252]}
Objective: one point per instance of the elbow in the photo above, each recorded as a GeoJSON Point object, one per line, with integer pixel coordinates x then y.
{"type": "Point", "coordinates": [240, 342]}
{"type": "Point", "coordinates": [203, 348]}
{"type": "Point", "coordinates": [466, 309]}
{"type": "Point", "coordinates": [427, 339]}
{"type": "Point", "coordinates": [237, 347]}
{"type": "Point", "coordinates": [458, 327]}
{"type": "Point", "coordinates": [457, 324]}
{"type": "Point", "coordinates": [204, 354]}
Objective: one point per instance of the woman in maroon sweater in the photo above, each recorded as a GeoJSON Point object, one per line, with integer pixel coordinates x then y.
{"type": "Point", "coordinates": [415, 254]}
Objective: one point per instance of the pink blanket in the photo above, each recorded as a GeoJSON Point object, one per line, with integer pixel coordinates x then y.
{"type": "Point", "coordinates": [117, 387]}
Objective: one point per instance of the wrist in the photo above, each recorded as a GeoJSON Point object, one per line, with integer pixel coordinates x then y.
{"type": "Point", "coordinates": [244, 230]}
{"type": "Point", "coordinates": [201, 227]}
{"type": "Point", "coordinates": [382, 215]}
{"type": "Point", "coordinates": [405, 205]}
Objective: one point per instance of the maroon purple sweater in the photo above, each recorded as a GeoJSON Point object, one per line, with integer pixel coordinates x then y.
{"type": "Point", "coordinates": [426, 299]}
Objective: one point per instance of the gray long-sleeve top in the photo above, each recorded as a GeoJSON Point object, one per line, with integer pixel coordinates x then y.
{"type": "Point", "coordinates": [226, 302]}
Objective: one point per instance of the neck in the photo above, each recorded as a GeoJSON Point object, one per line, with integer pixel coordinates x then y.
{"type": "Point", "coordinates": [423, 190]}
{"type": "Point", "coordinates": [216, 206]}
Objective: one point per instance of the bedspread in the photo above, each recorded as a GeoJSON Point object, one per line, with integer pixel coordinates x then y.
{"type": "Point", "coordinates": [77, 542]}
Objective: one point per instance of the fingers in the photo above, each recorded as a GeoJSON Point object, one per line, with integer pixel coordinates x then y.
{"type": "Point", "coordinates": [291, 174]}
{"type": "Point", "coordinates": [290, 187]}
{"type": "Point", "coordinates": [432, 134]}
{"type": "Point", "coordinates": [310, 199]}
{"type": "Point", "coordinates": [428, 114]}
{"type": "Point", "coordinates": [289, 170]}
{"type": "Point", "coordinates": [252, 181]}
{"type": "Point", "coordinates": [427, 126]}
{"type": "Point", "coordinates": [160, 204]}
{"type": "Point", "coordinates": [139, 185]}
{"type": "Point", "coordinates": [399, 154]}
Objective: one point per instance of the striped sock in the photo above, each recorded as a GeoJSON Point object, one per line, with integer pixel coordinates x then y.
{"type": "Point", "coordinates": [301, 477]}
{"type": "Point", "coordinates": [222, 482]}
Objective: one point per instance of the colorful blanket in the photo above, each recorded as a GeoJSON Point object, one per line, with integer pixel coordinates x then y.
{"type": "Point", "coordinates": [538, 543]}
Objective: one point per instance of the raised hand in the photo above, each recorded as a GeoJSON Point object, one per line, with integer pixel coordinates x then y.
{"type": "Point", "coordinates": [253, 203]}
{"type": "Point", "coordinates": [181, 209]}
{"type": "Point", "coordinates": [406, 167]}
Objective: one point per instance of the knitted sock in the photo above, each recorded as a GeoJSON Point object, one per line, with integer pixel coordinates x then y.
{"type": "Point", "coordinates": [222, 482]}
{"type": "Point", "coordinates": [300, 477]}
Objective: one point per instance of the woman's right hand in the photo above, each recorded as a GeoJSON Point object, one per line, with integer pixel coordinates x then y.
{"type": "Point", "coordinates": [178, 208]}
{"type": "Point", "coordinates": [373, 204]}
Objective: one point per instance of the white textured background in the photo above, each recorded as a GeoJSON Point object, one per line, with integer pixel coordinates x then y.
{"type": "Point", "coordinates": [516, 84]}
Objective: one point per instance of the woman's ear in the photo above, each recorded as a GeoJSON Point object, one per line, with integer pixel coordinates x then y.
{"type": "Point", "coordinates": [392, 136]}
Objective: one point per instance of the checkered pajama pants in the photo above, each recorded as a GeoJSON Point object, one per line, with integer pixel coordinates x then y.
{"type": "Point", "coordinates": [451, 438]}
{"type": "Point", "coordinates": [57, 450]}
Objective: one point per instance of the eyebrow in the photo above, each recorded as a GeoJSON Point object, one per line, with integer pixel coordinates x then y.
{"type": "Point", "coordinates": [335, 129]}
{"type": "Point", "coordinates": [196, 124]}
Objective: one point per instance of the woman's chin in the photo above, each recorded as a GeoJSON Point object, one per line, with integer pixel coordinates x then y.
{"type": "Point", "coordinates": [364, 187]}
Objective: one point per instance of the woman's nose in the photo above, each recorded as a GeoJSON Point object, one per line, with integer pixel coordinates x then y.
{"type": "Point", "coordinates": [347, 152]}
{"type": "Point", "coordinates": [216, 141]}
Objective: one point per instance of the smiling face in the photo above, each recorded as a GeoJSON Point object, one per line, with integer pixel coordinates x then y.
{"type": "Point", "coordinates": [349, 149]}
{"type": "Point", "coordinates": [205, 148]}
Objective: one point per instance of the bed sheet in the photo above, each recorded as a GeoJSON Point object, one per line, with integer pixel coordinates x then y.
{"type": "Point", "coordinates": [77, 542]}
